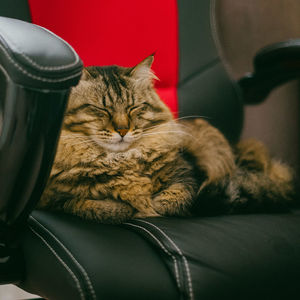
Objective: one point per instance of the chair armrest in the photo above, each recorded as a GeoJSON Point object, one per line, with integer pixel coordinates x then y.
{"type": "Point", "coordinates": [273, 65]}
{"type": "Point", "coordinates": [37, 70]}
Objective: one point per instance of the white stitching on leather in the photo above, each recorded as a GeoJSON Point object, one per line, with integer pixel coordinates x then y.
{"type": "Point", "coordinates": [38, 66]}
{"type": "Point", "coordinates": [34, 76]}
{"type": "Point", "coordinates": [163, 248]}
{"type": "Point", "coordinates": [63, 263]}
{"type": "Point", "coordinates": [5, 74]}
{"type": "Point", "coordinates": [88, 281]}
{"type": "Point", "coordinates": [191, 294]}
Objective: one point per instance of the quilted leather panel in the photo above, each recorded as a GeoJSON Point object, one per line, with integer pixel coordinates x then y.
{"type": "Point", "coordinates": [229, 257]}
{"type": "Point", "coordinates": [85, 260]}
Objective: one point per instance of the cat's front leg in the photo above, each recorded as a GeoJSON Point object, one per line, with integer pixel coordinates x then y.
{"type": "Point", "coordinates": [106, 211]}
{"type": "Point", "coordinates": [175, 200]}
{"type": "Point", "coordinates": [138, 194]}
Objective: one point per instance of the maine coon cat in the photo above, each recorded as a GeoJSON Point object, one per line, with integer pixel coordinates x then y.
{"type": "Point", "coordinates": [122, 155]}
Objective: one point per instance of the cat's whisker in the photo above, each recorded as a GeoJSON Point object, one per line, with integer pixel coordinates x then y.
{"type": "Point", "coordinates": [76, 139]}
{"type": "Point", "coordinates": [155, 126]}
{"type": "Point", "coordinates": [183, 126]}
{"type": "Point", "coordinates": [166, 131]}
{"type": "Point", "coordinates": [100, 135]}
{"type": "Point", "coordinates": [79, 139]}
{"type": "Point", "coordinates": [92, 139]}
{"type": "Point", "coordinates": [73, 136]}
{"type": "Point", "coordinates": [192, 116]}
{"type": "Point", "coordinates": [173, 131]}
{"type": "Point", "coordinates": [166, 124]}
{"type": "Point", "coordinates": [94, 128]}
{"type": "Point", "coordinates": [79, 143]}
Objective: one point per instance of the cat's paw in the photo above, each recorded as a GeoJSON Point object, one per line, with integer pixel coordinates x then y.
{"type": "Point", "coordinates": [161, 205]}
{"type": "Point", "coordinates": [105, 211]}
{"type": "Point", "coordinates": [173, 201]}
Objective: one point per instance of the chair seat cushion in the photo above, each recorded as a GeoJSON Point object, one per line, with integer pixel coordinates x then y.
{"type": "Point", "coordinates": [223, 257]}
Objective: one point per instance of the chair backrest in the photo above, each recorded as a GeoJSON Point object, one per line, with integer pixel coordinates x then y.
{"type": "Point", "coordinates": [181, 34]}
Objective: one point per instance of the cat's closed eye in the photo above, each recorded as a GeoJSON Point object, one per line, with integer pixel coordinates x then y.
{"type": "Point", "coordinates": [135, 109]}
{"type": "Point", "coordinates": [138, 108]}
{"type": "Point", "coordinates": [97, 109]}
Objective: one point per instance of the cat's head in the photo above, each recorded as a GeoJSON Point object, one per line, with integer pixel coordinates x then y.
{"type": "Point", "coordinates": [116, 106]}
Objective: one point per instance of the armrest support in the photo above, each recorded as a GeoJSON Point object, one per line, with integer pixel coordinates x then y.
{"type": "Point", "coordinates": [273, 66]}
{"type": "Point", "coordinates": [37, 70]}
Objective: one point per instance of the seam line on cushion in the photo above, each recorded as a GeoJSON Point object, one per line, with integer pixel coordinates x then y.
{"type": "Point", "coordinates": [83, 271]}
{"type": "Point", "coordinates": [188, 272]}
{"type": "Point", "coordinates": [34, 76]}
{"type": "Point", "coordinates": [38, 66]}
{"type": "Point", "coordinates": [163, 248]}
{"type": "Point", "coordinates": [215, 35]}
{"type": "Point", "coordinates": [223, 60]}
{"type": "Point", "coordinates": [77, 282]}
{"type": "Point", "coordinates": [201, 70]}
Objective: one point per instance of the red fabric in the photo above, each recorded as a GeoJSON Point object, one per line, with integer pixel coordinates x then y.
{"type": "Point", "coordinates": [105, 32]}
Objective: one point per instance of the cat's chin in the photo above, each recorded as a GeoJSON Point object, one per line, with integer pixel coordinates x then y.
{"type": "Point", "coordinates": [116, 147]}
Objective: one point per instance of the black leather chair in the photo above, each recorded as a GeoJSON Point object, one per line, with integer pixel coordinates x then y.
{"type": "Point", "coordinates": [59, 256]}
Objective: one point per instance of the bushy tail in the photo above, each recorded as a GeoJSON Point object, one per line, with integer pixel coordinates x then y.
{"type": "Point", "coordinates": [259, 184]}
{"type": "Point", "coordinates": [253, 191]}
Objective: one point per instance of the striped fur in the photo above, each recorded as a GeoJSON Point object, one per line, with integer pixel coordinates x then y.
{"type": "Point", "coordinates": [122, 155]}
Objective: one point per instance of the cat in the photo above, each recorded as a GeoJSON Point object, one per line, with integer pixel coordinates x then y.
{"type": "Point", "coordinates": [122, 155]}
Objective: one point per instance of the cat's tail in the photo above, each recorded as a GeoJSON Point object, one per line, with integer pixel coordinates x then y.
{"type": "Point", "coordinates": [258, 192]}
{"type": "Point", "coordinates": [260, 184]}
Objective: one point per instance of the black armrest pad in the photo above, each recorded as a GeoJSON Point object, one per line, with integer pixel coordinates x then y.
{"type": "Point", "coordinates": [37, 71]}
{"type": "Point", "coordinates": [273, 65]}
{"type": "Point", "coordinates": [35, 57]}
{"type": "Point", "coordinates": [283, 53]}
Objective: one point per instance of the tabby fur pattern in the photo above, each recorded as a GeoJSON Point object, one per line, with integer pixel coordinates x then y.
{"type": "Point", "coordinates": [121, 155]}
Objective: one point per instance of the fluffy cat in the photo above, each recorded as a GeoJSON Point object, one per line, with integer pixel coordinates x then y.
{"type": "Point", "coordinates": [121, 155]}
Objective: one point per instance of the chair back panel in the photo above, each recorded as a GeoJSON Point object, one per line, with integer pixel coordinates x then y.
{"type": "Point", "coordinates": [118, 32]}
{"type": "Point", "coordinates": [182, 35]}
{"type": "Point", "coordinates": [204, 87]}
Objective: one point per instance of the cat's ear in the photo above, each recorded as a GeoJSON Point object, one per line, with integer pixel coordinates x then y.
{"type": "Point", "coordinates": [86, 74]}
{"type": "Point", "coordinates": [142, 72]}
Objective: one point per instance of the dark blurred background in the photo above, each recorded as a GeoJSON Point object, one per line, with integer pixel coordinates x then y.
{"type": "Point", "coordinates": [243, 27]}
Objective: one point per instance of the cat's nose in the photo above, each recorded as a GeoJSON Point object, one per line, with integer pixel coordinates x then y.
{"type": "Point", "coordinates": [122, 131]}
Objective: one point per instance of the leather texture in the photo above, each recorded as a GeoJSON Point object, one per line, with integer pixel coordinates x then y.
{"type": "Point", "coordinates": [35, 83]}
{"type": "Point", "coordinates": [34, 57]}
{"type": "Point", "coordinates": [67, 258]}
{"type": "Point", "coordinates": [31, 125]}
{"type": "Point", "coordinates": [239, 257]}
{"type": "Point", "coordinates": [229, 257]}
{"type": "Point", "coordinates": [204, 88]}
